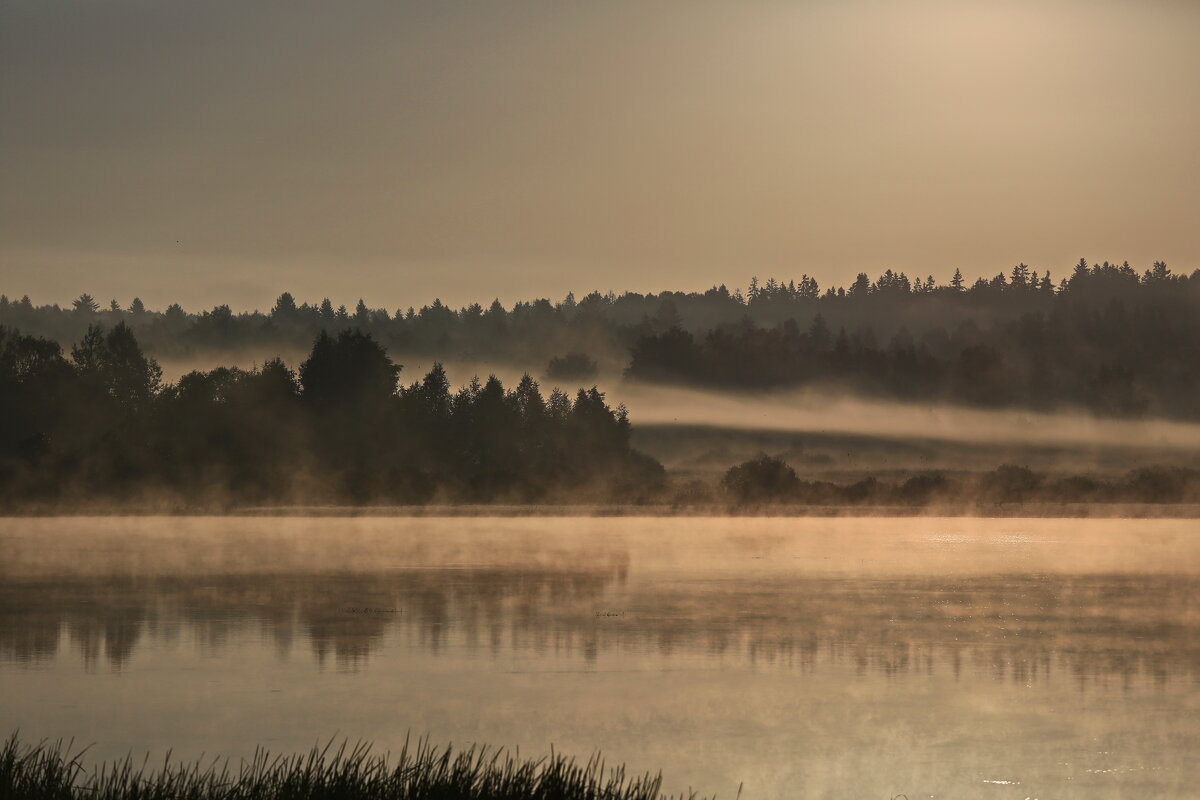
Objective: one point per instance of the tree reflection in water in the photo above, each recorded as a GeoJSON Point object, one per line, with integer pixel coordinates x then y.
{"type": "Point", "coordinates": [1012, 628]}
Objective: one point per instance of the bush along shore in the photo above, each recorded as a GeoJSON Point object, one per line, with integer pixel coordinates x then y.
{"type": "Point", "coordinates": [765, 480]}
{"type": "Point", "coordinates": [347, 772]}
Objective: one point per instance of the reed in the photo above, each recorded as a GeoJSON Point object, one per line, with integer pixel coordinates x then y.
{"type": "Point", "coordinates": [421, 771]}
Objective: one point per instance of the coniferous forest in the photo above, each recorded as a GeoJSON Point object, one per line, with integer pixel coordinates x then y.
{"type": "Point", "coordinates": [98, 425]}
{"type": "Point", "coordinates": [86, 417]}
{"type": "Point", "coordinates": [1105, 338]}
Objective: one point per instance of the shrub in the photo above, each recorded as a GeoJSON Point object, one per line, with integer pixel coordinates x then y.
{"type": "Point", "coordinates": [761, 479]}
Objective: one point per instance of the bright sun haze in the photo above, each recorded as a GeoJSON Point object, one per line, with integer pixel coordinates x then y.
{"type": "Point", "coordinates": [221, 152]}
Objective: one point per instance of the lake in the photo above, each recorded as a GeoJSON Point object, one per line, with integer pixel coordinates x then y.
{"type": "Point", "coordinates": [799, 658]}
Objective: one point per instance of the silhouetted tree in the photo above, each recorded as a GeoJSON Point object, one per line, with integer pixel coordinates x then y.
{"type": "Point", "coordinates": [85, 304]}
{"type": "Point", "coordinates": [761, 479]}
{"type": "Point", "coordinates": [351, 366]}
{"type": "Point", "coordinates": [285, 307]}
{"type": "Point", "coordinates": [114, 365]}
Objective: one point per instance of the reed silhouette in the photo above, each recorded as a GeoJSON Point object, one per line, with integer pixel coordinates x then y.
{"type": "Point", "coordinates": [346, 772]}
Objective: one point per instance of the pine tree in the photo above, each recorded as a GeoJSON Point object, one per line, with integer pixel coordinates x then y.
{"type": "Point", "coordinates": [1020, 276]}
{"type": "Point", "coordinates": [285, 306]}
{"type": "Point", "coordinates": [85, 304]}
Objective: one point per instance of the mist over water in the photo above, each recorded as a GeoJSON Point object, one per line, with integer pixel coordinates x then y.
{"type": "Point", "coordinates": [803, 658]}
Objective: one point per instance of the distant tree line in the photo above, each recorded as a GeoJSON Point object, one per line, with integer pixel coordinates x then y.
{"type": "Point", "coordinates": [1104, 337]}
{"type": "Point", "coordinates": [99, 425]}
{"type": "Point", "coordinates": [764, 480]}
{"type": "Point", "coordinates": [1105, 340]}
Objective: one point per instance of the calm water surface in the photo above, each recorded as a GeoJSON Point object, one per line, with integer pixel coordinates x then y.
{"type": "Point", "coordinates": [803, 658]}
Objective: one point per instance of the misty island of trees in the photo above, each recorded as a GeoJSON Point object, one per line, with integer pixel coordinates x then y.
{"type": "Point", "coordinates": [100, 426]}
{"type": "Point", "coordinates": [1106, 338]}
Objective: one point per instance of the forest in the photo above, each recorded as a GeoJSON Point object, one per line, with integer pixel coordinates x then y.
{"type": "Point", "coordinates": [1104, 338]}
{"type": "Point", "coordinates": [1105, 341]}
{"type": "Point", "coordinates": [100, 426]}
{"type": "Point", "coordinates": [86, 416]}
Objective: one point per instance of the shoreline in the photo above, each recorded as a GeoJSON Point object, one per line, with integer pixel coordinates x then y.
{"type": "Point", "coordinates": [989, 511]}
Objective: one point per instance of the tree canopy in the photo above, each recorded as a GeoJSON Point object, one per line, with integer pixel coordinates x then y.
{"type": "Point", "coordinates": [101, 427]}
{"type": "Point", "coordinates": [1104, 337]}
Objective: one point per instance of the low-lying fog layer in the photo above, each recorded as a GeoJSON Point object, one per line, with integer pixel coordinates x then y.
{"type": "Point", "coordinates": [822, 411]}
{"type": "Point", "coordinates": [812, 411]}
{"type": "Point", "coordinates": [801, 410]}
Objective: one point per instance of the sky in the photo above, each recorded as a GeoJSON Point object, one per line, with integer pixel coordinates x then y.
{"type": "Point", "coordinates": [223, 151]}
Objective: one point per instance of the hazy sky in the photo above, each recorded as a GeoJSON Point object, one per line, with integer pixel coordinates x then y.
{"type": "Point", "coordinates": [224, 150]}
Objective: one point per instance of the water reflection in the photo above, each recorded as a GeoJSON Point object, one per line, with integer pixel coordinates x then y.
{"type": "Point", "coordinates": [1024, 629]}
{"type": "Point", "coordinates": [801, 658]}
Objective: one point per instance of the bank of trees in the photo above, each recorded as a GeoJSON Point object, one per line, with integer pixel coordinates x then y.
{"type": "Point", "coordinates": [98, 425]}
{"type": "Point", "coordinates": [1106, 340]}
{"type": "Point", "coordinates": [766, 481]}
{"type": "Point", "coordinates": [1105, 336]}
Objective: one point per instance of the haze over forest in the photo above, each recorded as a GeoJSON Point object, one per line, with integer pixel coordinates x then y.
{"type": "Point", "coordinates": [1106, 339]}
{"type": "Point", "coordinates": [102, 425]}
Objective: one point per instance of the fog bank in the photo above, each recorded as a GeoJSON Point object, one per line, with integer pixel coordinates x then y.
{"type": "Point", "coordinates": [820, 412]}
{"type": "Point", "coordinates": [811, 410]}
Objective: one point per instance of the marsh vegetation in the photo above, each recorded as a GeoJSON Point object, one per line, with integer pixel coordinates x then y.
{"type": "Point", "coordinates": [46, 771]}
